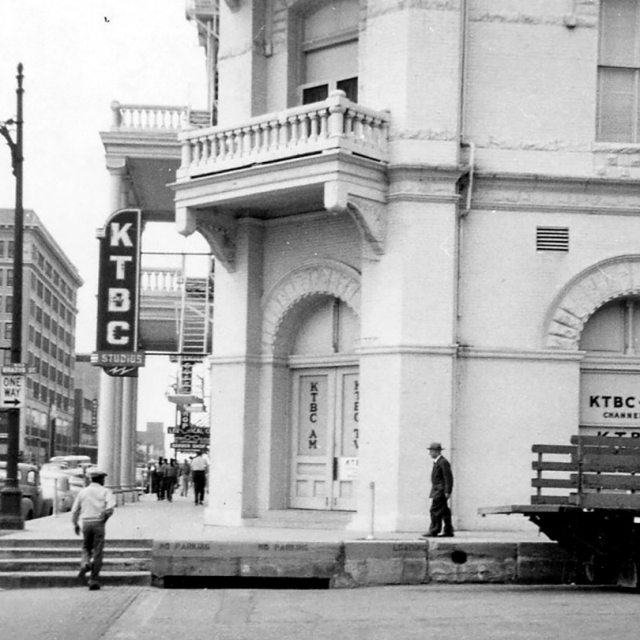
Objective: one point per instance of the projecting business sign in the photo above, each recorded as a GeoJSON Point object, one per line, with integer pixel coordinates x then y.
{"type": "Point", "coordinates": [118, 287]}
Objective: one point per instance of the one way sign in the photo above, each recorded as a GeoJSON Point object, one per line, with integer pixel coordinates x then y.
{"type": "Point", "coordinates": [12, 391]}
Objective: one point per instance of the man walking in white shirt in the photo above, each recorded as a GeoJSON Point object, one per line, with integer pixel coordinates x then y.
{"type": "Point", "coordinates": [199, 477]}
{"type": "Point", "coordinates": [92, 507]}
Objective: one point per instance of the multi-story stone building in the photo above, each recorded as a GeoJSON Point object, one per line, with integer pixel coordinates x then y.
{"type": "Point", "coordinates": [425, 221]}
{"type": "Point", "coordinates": [86, 402]}
{"type": "Point", "coordinates": [50, 283]}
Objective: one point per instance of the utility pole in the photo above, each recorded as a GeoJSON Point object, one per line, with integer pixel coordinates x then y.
{"type": "Point", "coordinates": [10, 495]}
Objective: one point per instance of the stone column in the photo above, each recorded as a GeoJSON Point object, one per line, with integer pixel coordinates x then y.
{"type": "Point", "coordinates": [235, 383]}
{"type": "Point", "coordinates": [128, 439]}
{"type": "Point", "coordinates": [106, 428]}
{"type": "Point", "coordinates": [117, 441]}
{"type": "Point", "coordinates": [109, 422]}
{"type": "Point", "coordinates": [408, 357]}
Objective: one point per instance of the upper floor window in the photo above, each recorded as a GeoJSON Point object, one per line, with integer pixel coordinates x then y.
{"type": "Point", "coordinates": [330, 50]}
{"type": "Point", "coordinates": [619, 72]}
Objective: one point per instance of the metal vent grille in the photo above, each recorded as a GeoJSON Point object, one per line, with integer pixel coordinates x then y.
{"type": "Point", "coordinates": [552, 238]}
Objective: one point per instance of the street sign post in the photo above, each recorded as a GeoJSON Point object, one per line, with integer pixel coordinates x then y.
{"type": "Point", "coordinates": [12, 391]}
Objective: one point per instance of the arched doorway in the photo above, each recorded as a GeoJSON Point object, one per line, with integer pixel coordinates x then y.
{"type": "Point", "coordinates": [610, 371]}
{"type": "Point", "coordinates": [599, 312]}
{"type": "Point", "coordinates": [311, 329]}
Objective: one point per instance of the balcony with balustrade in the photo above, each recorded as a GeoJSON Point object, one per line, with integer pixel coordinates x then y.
{"type": "Point", "coordinates": [143, 143]}
{"type": "Point", "coordinates": [160, 307]}
{"type": "Point", "coordinates": [329, 155]}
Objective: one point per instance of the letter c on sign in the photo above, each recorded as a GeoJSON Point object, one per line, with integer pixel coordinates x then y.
{"type": "Point", "coordinates": [116, 332]}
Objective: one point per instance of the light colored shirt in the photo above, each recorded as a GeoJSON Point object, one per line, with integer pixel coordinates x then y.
{"type": "Point", "coordinates": [94, 502]}
{"type": "Point", "coordinates": [198, 464]}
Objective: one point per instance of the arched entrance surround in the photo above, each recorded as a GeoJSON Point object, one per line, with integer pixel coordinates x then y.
{"type": "Point", "coordinates": [587, 292]}
{"type": "Point", "coordinates": [609, 377]}
{"type": "Point", "coordinates": [333, 376]}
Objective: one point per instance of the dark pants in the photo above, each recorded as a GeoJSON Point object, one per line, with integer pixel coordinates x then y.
{"type": "Point", "coordinates": [169, 486]}
{"type": "Point", "coordinates": [440, 513]}
{"type": "Point", "coordinates": [199, 479]}
{"type": "Point", "coordinates": [93, 547]}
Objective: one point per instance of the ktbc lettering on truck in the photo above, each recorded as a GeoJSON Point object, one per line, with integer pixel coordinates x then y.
{"type": "Point", "coordinates": [118, 282]}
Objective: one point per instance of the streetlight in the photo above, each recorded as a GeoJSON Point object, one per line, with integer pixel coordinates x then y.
{"type": "Point", "coordinates": [10, 495]}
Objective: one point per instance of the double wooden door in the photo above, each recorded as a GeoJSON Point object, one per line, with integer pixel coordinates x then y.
{"type": "Point", "coordinates": [325, 433]}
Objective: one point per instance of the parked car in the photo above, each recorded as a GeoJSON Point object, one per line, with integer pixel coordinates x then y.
{"type": "Point", "coordinates": [34, 504]}
{"type": "Point", "coordinates": [56, 487]}
{"type": "Point", "coordinates": [77, 476]}
{"type": "Point", "coordinates": [71, 462]}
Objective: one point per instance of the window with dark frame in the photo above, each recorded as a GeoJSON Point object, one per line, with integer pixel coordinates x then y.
{"type": "Point", "coordinates": [618, 118]}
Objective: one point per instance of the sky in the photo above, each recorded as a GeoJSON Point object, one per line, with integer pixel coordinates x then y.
{"type": "Point", "coordinates": [79, 56]}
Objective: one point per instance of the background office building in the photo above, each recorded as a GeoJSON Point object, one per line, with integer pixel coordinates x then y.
{"type": "Point", "coordinates": [84, 439]}
{"type": "Point", "coordinates": [50, 282]}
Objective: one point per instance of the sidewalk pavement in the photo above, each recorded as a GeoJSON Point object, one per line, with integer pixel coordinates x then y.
{"type": "Point", "coordinates": [152, 519]}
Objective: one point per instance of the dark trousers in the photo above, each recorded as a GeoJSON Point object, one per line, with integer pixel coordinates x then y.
{"type": "Point", "coordinates": [440, 514]}
{"type": "Point", "coordinates": [169, 486]}
{"type": "Point", "coordinates": [199, 479]}
{"type": "Point", "coordinates": [93, 547]}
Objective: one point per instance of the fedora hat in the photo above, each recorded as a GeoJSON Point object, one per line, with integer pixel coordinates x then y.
{"type": "Point", "coordinates": [435, 446]}
{"type": "Point", "coordinates": [97, 473]}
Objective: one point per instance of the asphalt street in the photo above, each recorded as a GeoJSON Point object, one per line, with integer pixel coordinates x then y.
{"type": "Point", "coordinates": [382, 613]}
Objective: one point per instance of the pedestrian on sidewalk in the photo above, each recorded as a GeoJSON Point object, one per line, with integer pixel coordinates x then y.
{"type": "Point", "coordinates": [161, 476]}
{"type": "Point", "coordinates": [185, 476]}
{"type": "Point", "coordinates": [91, 509]}
{"type": "Point", "coordinates": [171, 479]}
{"type": "Point", "coordinates": [441, 488]}
{"type": "Point", "coordinates": [199, 476]}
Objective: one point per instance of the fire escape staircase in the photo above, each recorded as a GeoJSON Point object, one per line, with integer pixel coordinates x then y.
{"type": "Point", "coordinates": [194, 339]}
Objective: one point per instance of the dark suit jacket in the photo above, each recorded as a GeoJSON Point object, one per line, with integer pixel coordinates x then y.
{"type": "Point", "coordinates": [441, 478]}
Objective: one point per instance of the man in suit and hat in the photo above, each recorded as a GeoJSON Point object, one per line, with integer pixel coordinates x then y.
{"type": "Point", "coordinates": [441, 488]}
{"type": "Point", "coordinates": [92, 507]}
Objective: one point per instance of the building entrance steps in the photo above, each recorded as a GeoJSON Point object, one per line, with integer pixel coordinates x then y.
{"type": "Point", "coordinates": [179, 545]}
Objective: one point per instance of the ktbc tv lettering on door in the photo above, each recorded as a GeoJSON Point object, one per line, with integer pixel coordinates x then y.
{"type": "Point", "coordinates": [118, 282]}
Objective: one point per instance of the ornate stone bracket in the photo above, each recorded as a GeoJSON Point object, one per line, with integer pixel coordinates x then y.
{"type": "Point", "coordinates": [368, 214]}
{"type": "Point", "coordinates": [585, 294]}
{"type": "Point", "coordinates": [218, 229]}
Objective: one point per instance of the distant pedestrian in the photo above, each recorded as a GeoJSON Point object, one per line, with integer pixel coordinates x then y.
{"type": "Point", "coordinates": [199, 477]}
{"type": "Point", "coordinates": [91, 509]}
{"type": "Point", "coordinates": [161, 474]}
{"type": "Point", "coordinates": [185, 476]}
{"type": "Point", "coordinates": [441, 488]}
{"type": "Point", "coordinates": [170, 479]}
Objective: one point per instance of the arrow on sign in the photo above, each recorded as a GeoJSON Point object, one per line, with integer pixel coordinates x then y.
{"type": "Point", "coordinates": [14, 402]}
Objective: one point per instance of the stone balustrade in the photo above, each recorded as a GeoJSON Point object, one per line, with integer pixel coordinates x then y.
{"type": "Point", "coordinates": [335, 123]}
{"type": "Point", "coordinates": [158, 281]}
{"type": "Point", "coordinates": [151, 118]}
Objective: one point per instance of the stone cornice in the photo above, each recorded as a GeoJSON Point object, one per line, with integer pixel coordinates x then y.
{"type": "Point", "coordinates": [527, 192]}
{"type": "Point", "coordinates": [337, 360]}
{"type": "Point", "coordinates": [405, 349]}
{"type": "Point", "coordinates": [519, 354]}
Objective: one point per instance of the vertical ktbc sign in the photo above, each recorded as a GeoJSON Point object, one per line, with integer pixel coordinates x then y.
{"type": "Point", "coordinates": [118, 282]}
